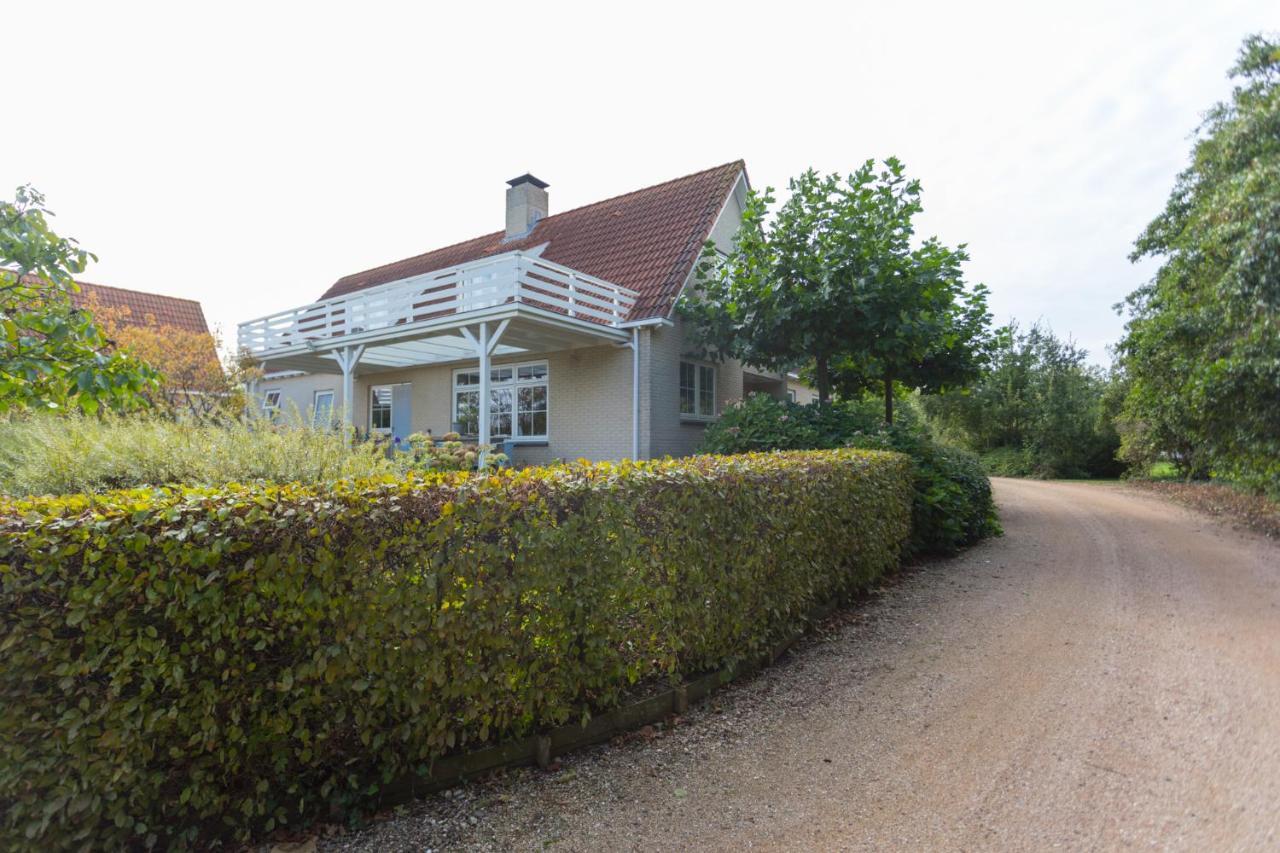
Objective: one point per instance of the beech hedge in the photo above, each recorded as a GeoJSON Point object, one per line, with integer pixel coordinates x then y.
{"type": "Point", "coordinates": [189, 667]}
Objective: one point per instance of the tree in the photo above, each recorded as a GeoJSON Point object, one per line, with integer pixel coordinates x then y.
{"type": "Point", "coordinates": [193, 383]}
{"type": "Point", "coordinates": [1202, 343]}
{"type": "Point", "coordinates": [832, 283]}
{"type": "Point", "coordinates": [922, 330]}
{"type": "Point", "coordinates": [1040, 405]}
{"type": "Point", "coordinates": [52, 355]}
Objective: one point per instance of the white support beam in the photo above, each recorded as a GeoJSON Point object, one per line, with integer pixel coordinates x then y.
{"type": "Point", "coordinates": [484, 344]}
{"type": "Point", "coordinates": [482, 350]}
{"type": "Point", "coordinates": [497, 335]}
{"type": "Point", "coordinates": [348, 358]}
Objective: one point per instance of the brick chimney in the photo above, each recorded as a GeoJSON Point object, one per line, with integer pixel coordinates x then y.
{"type": "Point", "coordinates": [526, 204]}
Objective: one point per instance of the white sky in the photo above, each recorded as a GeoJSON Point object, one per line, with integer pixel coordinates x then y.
{"type": "Point", "coordinates": [248, 155]}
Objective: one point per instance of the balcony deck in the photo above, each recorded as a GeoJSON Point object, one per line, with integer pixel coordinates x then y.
{"type": "Point", "coordinates": [421, 320]}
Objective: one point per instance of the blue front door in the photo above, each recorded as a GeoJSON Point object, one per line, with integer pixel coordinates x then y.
{"type": "Point", "coordinates": [401, 412]}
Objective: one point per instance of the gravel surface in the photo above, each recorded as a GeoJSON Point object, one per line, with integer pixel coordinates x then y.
{"type": "Point", "coordinates": [1105, 675]}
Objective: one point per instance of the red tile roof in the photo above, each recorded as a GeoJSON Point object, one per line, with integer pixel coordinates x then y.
{"type": "Point", "coordinates": [647, 240]}
{"type": "Point", "coordinates": [166, 310]}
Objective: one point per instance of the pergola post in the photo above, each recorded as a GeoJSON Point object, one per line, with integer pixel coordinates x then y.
{"type": "Point", "coordinates": [483, 350]}
{"type": "Point", "coordinates": [347, 358]}
{"type": "Point", "coordinates": [484, 344]}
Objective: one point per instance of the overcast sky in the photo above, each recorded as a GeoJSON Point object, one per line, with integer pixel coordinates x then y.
{"type": "Point", "coordinates": [248, 155]}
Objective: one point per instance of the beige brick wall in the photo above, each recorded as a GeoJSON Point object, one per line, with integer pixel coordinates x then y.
{"type": "Point", "coordinates": [297, 393]}
{"type": "Point", "coordinates": [588, 392]}
{"type": "Point", "coordinates": [803, 393]}
{"type": "Point", "coordinates": [588, 396]}
{"type": "Point", "coordinates": [669, 433]}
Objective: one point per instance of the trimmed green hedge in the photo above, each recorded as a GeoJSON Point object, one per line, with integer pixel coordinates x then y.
{"type": "Point", "coordinates": [953, 502]}
{"type": "Point", "coordinates": [182, 666]}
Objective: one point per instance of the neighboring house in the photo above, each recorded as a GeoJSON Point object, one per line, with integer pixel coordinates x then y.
{"type": "Point", "coordinates": [168, 333]}
{"type": "Point", "coordinates": [564, 322]}
{"type": "Point", "coordinates": [135, 308]}
{"type": "Point", "coordinates": [798, 392]}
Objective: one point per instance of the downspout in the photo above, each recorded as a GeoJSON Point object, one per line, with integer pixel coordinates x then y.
{"type": "Point", "coordinates": [635, 326]}
{"type": "Point", "coordinates": [635, 393]}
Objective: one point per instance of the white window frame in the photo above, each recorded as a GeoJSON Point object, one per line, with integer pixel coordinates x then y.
{"type": "Point", "coordinates": [315, 406]}
{"type": "Point", "coordinates": [391, 410]}
{"type": "Point", "coordinates": [699, 413]}
{"type": "Point", "coordinates": [515, 383]}
{"type": "Point", "coordinates": [269, 408]}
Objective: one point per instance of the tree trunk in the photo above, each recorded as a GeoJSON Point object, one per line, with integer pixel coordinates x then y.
{"type": "Point", "coordinates": [888, 399]}
{"type": "Point", "coordinates": [823, 373]}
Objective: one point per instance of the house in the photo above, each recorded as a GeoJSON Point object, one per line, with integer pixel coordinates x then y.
{"type": "Point", "coordinates": [563, 322]}
{"type": "Point", "coordinates": [135, 308]}
{"type": "Point", "coordinates": [166, 332]}
{"type": "Point", "coordinates": [798, 392]}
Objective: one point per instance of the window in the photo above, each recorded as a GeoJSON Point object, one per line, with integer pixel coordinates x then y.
{"type": "Point", "coordinates": [791, 394]}
{"type": "Point", "coordinates": [517, 401]}
{"type": "Point", "coordinates": [697, 390]}
{"type": "Point", "coordinates": [380, 409]}
{"type": "Point", "coordinates": [271, 404]}
{"type": "Point", "coordinates": [322, 408]}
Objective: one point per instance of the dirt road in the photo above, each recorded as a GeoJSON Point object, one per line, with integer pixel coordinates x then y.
{"type": "Point", "coordinates": [1105, 675]}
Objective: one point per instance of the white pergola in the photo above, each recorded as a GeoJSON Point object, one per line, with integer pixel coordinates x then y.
{"type": "Point", "coordinates": [502, 305]}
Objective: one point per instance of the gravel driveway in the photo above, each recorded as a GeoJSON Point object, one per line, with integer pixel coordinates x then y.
{"type": "Point", "coordinates": [1105, 675]}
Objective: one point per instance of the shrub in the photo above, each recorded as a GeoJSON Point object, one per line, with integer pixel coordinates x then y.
{"type": "Point", "coordinates": [1041, 410]}
{"type": "Point", "coordinates": [1008, 462]}
{"type": "Point", "coordinates": [66, 454]}
{"type": "Point", "coordinates": [49, 455]}
{"type": "Point", "coordinates": [185, 665]}
{"type": "Point", "coordinates": [953, 506]}
{"type": "Point", "coordinates": [424, 452]}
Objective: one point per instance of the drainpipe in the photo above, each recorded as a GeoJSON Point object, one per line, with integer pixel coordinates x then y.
{"type": "Point", "coordinates": [635, 393]}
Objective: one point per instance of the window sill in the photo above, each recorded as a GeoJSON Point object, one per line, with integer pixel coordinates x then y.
{"type": "Point", "coordinates": [698, 419]}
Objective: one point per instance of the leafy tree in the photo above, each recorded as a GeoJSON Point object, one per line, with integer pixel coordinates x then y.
{"type": "Point", "coordinates": [1202, 343]}
{"type": "Point", "coordinates": [52, 355]}
{"type": "Point", "coordinates": [1040, 409]}
{"type": "Point", "coordinates": [832, 282]}
{"type": "Point", "coordinates": [193, 382]}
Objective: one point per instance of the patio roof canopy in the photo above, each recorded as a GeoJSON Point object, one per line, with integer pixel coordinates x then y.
{"type": "Point", "coordinates": [432, 318]}
{"type": "Point", "coordinates": [510, 303]}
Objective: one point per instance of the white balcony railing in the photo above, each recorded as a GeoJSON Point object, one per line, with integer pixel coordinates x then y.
{"type": "Point", "coordinates": [513, 278]}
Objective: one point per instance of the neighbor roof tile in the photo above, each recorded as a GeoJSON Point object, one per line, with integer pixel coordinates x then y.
{"type": "Point", "coordinates": [143, 308]}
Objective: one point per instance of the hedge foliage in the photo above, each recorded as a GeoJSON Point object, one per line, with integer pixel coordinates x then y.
{"type": "Point", "coordinates": [953, 506]}
{"type": "Point", "coordinates": [181, 666]}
